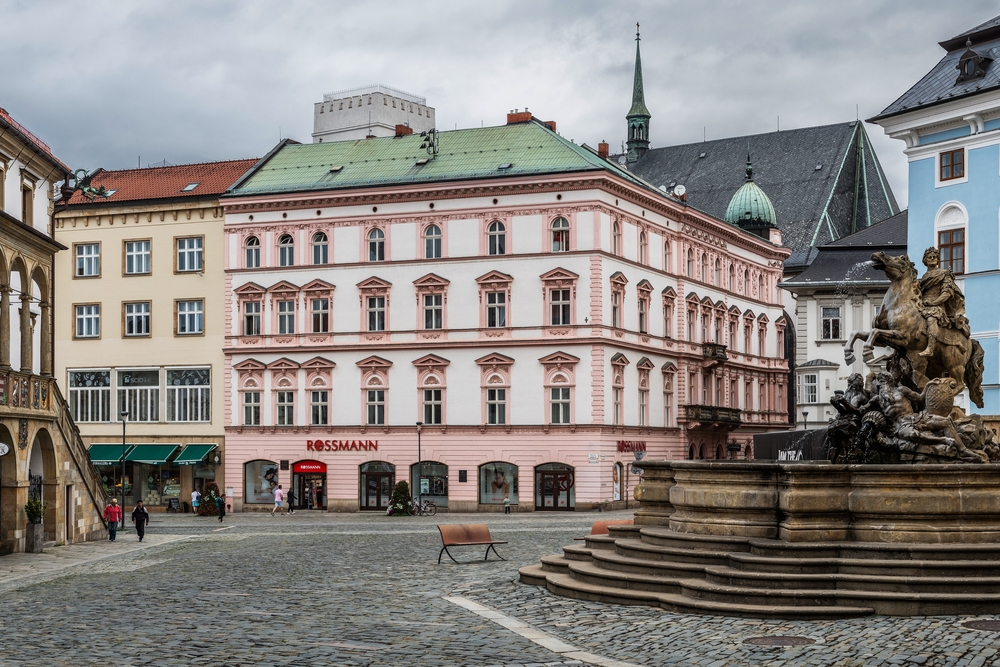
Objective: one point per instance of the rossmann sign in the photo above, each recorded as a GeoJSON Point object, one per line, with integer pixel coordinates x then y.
{"type": "Point", "coordinates": [631, 445]}
{"type": "Point", "coordinates": [341, 445]}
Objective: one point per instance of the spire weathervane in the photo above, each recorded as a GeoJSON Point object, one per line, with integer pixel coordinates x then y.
{"type": "Point", "coordinates": [749, 164]}
{"type": "Point", "coordinates": [638, 114]}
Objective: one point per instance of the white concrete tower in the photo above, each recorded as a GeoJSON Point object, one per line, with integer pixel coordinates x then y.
{"type": "Point", "coordinates": [369, 111]}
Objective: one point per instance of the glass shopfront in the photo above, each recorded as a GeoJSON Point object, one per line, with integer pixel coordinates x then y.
{"type": "Point", "coordinates": [309, 484]}
{"type": "Point", "coordinates": [260, 479]}
{"type": "Point", "coordinates": [157, 485]}
{"type": "Point", "coordinates": [497, 480]}
{"type": "Point", "coordinates": [111, 479]}
{"type": "Point", "coordinates": [554, 487]}
{"type": "Point", "coordinates": [377, 480]}
{"type": "Point", "coordinates": [431, 481]}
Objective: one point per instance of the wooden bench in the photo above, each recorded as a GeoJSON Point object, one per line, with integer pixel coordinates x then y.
{"type": "Point", "coordinates": [467, 535]}
{"type": "Point", "coordinates": [601, 527]}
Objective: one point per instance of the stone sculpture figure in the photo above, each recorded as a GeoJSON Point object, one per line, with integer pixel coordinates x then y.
{"type": "Point", "coordinates": [910, 414]}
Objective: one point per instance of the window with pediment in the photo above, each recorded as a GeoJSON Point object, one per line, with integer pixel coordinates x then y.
{"type": "Point", "coordinates": [495, 386]}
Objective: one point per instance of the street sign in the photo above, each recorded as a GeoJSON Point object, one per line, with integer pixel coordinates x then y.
{"type": "Point", "coordinates": [3, 449]}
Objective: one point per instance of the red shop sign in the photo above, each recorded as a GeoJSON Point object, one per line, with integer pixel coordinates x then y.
{"type": "Point", "coordinates": [631, 445]}
{"type": "Point", "coordinates": [308, 466]}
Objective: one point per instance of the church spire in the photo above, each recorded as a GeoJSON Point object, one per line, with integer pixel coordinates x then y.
{"type": "Point", "coordinates": [638, 114]}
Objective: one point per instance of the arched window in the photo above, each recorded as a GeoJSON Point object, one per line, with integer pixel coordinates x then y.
{"type": "Point", "coordinates": [286, 251]}
{"type": "Point", "coordinates": [732, 277]}
{"type": "Point", "coordinates": [746, 282]}
{"type": "Point", "coordinates": [704, 267]}
{"type": "Point", "coordinates": [642, 247]}
{"type": "Point", "coordinates": [718, 273]}
{"type": "Point", "coordinates": [376, 245]}
{"type": "Point", "coordinates": [432, 242]}
{"type": "Point", "coordinates": [667, 256]}
{"type": "Point", "coordinates": [252, 246]}
{"type": "Point", "coordinates": [690, 263]}
{"type": "Point", "coordinates": [760, 287]}
{"type": "Point", "coordinates": [497, 233]}
{"type": "Point", "coordinates": [616, 238]}
{"type": "Point", "coordinates": [560, 235]}
{"type": "Point", "coordinates": [321, 248]}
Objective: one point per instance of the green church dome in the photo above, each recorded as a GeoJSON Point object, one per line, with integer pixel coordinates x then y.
{"type": "Point", "coordinates": [750, 206]}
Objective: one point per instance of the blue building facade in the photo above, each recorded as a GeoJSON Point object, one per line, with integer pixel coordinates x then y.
{"type": "Point", "coordinates": [950, 123]}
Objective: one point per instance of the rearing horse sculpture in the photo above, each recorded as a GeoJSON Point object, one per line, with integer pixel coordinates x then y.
{"type": "Point", "coordinates": [902, 327]}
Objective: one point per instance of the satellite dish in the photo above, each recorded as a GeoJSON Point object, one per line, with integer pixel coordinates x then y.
{"type": "Point", "coordinates": [679, 190]}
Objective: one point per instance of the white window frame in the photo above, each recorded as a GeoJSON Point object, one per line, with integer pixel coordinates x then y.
{"type": "Point", "coordinates": [433, 305]}
{"type": "Point", "coordinates": [141, 402]}
{"type": "Point", "coordinates": [138, 258]}
{"type": "Point", "coordinates": [560, 307]}
{"type": "Point", "coordinates": [191, 317]}
{"type": "Point", "coordinates": [319, 309]}
{"type": "Point", "coordinates": [137, 319]}
{"type": "Point", "coordinates": [88, 320]}
{"type": "Point", "coordinates": [320, 248]}
{"type": "Point", "coordinates": [286, 250]}
{"type": "Point", "coordinates": [496, 310]}
{"type": "Point", "coordinates": [251, 408]}
{"type": "Point", "coordinates": [376, 313]}
{"type": "Point", "coordinates": [319, 407]}
{"type": "Point", "coordinates": [190, 254]}
{"type": "Point", "coordinates": [432, 242]}
{"type": "Point", "coordinates": [284, 402]}
{"type": "Point", "coordinates": [189, 402]}
{"type": "Point", "coordinates": [286, 317]}
{"type": "Point", "coordinates": [251, 315]}
{"type": "Point", "coordinates": [433, 405]}
{"type": "Point", "coordinates": [837, 320]}
{"type": "Point", "coordinates": [251, 255]}
{"type": "Point", "coordinates": [375, 407]}
{"type": "Point", "coordinates": [560, 401]}
{"type": "Point", "coordinates": [88, 260]}
{"type": "Point", "coordinates": [90, 403]}
{"type": "Point", "coordinates": [496, 238]}
{"type": "Point", "coordinates": [809, 388]}
{"type": "Point", "coordinates": [496, 406]}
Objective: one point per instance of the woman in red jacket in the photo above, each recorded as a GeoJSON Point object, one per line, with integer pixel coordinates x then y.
{"type": "Point", "coordinates": [113, 514]}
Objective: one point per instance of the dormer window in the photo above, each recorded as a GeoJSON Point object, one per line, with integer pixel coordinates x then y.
{"type": "Point", "coordinates": [971, 65]}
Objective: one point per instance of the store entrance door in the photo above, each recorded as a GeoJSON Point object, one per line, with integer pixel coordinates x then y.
{"type": "Point", "coordinates": [377, 480]}
{"type": "Point", "coordinates": [309, 485]}
{"type": "Point", "coordinates": [554, 488]}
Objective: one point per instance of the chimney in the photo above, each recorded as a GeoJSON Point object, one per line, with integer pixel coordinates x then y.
{"type": "Point", "coordinates": [516, 116]}
{"type": "Point", "coordinates": [551, 124]}
{"type": "Point", "coordinates": [602, 149]}
{"type": "Point", "coordinates": [403, 130]}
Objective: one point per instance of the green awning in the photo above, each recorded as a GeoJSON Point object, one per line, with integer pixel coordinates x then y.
{"type": "Point", "coordinates": [103, 455]}
{"type": "Point", "coordinates": [152, 454]}
{"type": "Point", "coordinates": [193, 454]}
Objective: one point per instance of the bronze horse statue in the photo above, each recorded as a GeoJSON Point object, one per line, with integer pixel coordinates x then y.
{"type": "Point", "coordinates": [902, 327]}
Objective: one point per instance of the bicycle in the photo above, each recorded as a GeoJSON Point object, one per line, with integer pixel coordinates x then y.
{"type": "Point", "coordinates": [423, 508]}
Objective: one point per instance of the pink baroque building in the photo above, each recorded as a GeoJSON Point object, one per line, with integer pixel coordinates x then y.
{"type": "Point", "coordinates": [543, 314]}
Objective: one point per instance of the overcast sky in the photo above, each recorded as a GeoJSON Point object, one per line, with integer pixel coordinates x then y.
{"type": "Point", "coordinates": [107, 82]}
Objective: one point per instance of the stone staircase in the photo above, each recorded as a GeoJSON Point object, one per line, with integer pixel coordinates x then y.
{"type": "Point", "coordinates": [769, 578]}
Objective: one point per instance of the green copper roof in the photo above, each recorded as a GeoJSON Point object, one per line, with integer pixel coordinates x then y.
{"type": "Point", "coordinates": [638, 98]}
{"type": "Point", "coordinates": [750, 207]}
{"type": "Point", "coordinates": [513, 150]}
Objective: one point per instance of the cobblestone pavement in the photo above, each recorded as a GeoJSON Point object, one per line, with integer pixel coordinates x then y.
{"type": "Point", "coordinates": [327, 589]}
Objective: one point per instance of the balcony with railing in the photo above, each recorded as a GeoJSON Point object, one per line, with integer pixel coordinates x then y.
{"type": "Point", "coordinates": [713, 416]}
{"type": "Point", "coordinates": [714, 354]}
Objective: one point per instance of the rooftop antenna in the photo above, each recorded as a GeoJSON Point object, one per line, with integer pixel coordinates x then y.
{"type": "Point", "coordinates": [857, 112]}
{"type": "Point", "coordinates": [779, 123]}
{"type": "Point", "coordinates": [704, 133]}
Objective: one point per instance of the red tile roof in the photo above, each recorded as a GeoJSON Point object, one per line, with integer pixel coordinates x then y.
{"type": "Point", "coordinates": [6, 119]}
{"type": "Point", "coordinates": [130, 185]}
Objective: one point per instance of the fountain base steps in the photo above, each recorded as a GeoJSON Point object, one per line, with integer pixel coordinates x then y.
{"type": "Point", "coordinates": [766, 578]}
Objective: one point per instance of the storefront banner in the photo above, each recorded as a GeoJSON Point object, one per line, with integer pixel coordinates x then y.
{"type": "Point", "coordinates": [497, 481]}
{"type": "Point", "coordinates": [309, 466]}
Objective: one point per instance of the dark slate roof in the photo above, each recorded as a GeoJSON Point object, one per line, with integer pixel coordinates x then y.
{"type": "Point", "coordinates": [842, 264]}
{"type": "Point", "coordinates": [813, 206]}
{"type": "Point", "coordinates": [799, 260]}
{"type": "Point", "coordinates": [941, 85]}
{"type": "Point", "coordinates": [818, 362]}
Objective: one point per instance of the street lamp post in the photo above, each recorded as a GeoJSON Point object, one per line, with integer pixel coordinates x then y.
{"type": "Point", "coordinates": [420, 467]}
{"type": "Point", "coordinates": [805, 420]}
{"type": "Point", "coordinates": [124, 416]}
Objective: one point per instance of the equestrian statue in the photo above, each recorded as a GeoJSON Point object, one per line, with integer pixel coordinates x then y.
{"type": "Point", "coordinates": [906, 413]}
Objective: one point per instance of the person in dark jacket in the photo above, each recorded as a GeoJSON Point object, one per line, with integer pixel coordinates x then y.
{"type": "Point", "coordinates": [140, 517]}
{"type": "Point", "coordinates": [220, 503]}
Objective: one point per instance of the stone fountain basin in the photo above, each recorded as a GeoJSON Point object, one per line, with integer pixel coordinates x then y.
{"type": "Point", "coordinates": [823, 502]}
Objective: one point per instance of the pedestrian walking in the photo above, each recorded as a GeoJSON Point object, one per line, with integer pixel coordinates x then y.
{"type": "Point", "coordinates": [291, 501]}
{"type": "Point", "coordinates": [279, 497]}
{"type": "Point", "coordinates": [195, 500]}
{"type": "Point", "coordinates": [113, 514]}
{"type": "Point", "coordinates": [220, 503]}
{"type": "Point", "coordinates": [506, 504]}
{"type": "Point", "coordinates": [140, 517]}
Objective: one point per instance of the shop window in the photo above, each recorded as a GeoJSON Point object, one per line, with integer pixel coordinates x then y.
{"type": "Point", "coordinates": [432, 242]}
{"type": "Point", "coordinates": [498, 480]}
{"type": "Point", "coordinates": [554, 487]}
{"type": "Point", "coordinates": [251, 408]}
{"type": "Point", "coordinates": [261, 478]}
{"type": "Point", "coordinates": [952, 247]}
{"type": "Point", "coordinates": [560, 235]}
{"type": "Point", "coordinates": [90, 396]}
{"type": "Point", "coordinates": [497, 238]}
{"type": "Point", "coordinates": [319, 408]}
{"type": "Point", "coordinates": [377, 481]}
{"type": "Point", "coordinates": [251, 249]}
{"type": "Point", "coordinates": [88, 260]}
{"type": "Point", "coordinates": [286, 408]}
{"type": "Point", "coordinates": [320, 248]}
{"type": "Point", "coordinates": [137, 258]}
{"type": "Point", "coordinates": [139, 395]}
{"type": "Point", "coordinates": [429, 479]}
{"type": "Point", "coordinates": [137, 318]}
{"type": "Point", "coordinates": [189, 395]}
{"type": "Point", "coordinates": [286, 250]}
